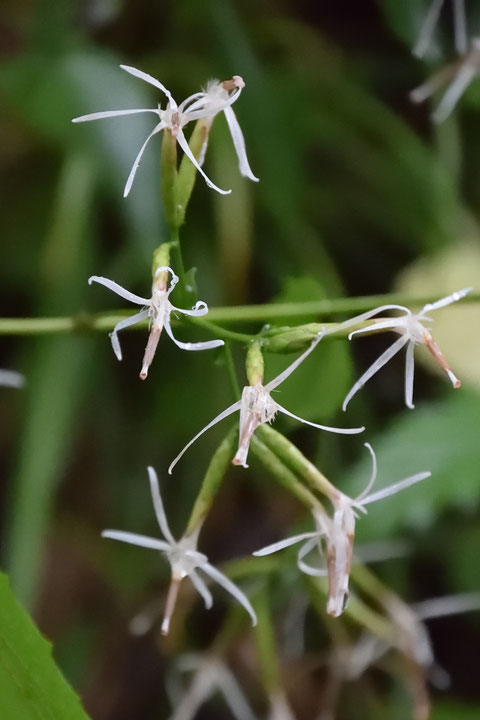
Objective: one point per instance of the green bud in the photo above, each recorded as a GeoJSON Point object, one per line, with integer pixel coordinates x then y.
{"type": "Point", "coordinates": [254, 363]}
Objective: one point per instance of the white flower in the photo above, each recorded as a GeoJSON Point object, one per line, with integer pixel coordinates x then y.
{"type": "Point", "coordinates": [158, 308]}
{"type": "Point", "coordinates": [456, 75]}
{"type": "Point", "coordinates": [414, 329]}
{"type": "Point", "coordinates": [258, 407]}
{"type": "Point", "coordinates": [10, 378]}
{"type": "Point", "coordinates": [184, 559]}
{"type": "Point", "coordinates": [218, 97]}
{"type": "Point", "coordinates": [210, 676]}
{"type": "Point", "coordinates": [337, 535]}
{"type": "Point", "coordinates": [431, 20]}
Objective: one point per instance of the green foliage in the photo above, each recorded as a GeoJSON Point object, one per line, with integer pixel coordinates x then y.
{"type": "Point", "coordinates": [31, 686]}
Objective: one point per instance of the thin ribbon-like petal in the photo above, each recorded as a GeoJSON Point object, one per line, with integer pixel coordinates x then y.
{"type": "Point", "coordinates": [460, 27]}
{"type": "Point", "coordinates": [158, 506]}
{"type": "Point", "coordinates": [286, 542]}
{"type": "Point", "coordinates": [112, 113]}
{"type": "Point", "coordinates": [201, 588]}
{"type": "Point", "coordinates": [119, 290]}
{"type": "Point", "coordinates": [221, 416]}
{"type": "Point", "coordinates": [375, 367]}
{"type": "Point", "coordinates": [341, 431]}
{"type": "Point", "coordinates": [133, 320]}
{"type": "Point", "coordinates": [134, 539]}
{"type": "Point", "coordinates": [396, 487]}
{"type": "Point", "coordinates": [409, 371]}
{"type": "Point", "coordinates": [231, 588]}
{"type": "Point", "coordinates": [289, 370]}
{"type": "Point", "coordinates": [239, 144]}
{"type": "Point", "coordinates": [454, 92]}
{"type": "Point", "coordinates": [428, 26]}
{"type": "Point", "coordinates": [158, 128]}
{"type": "Point", "coordinates": [305, 567]}
{"type": "Point", "coordinates": [10, 378]}
{"type": "Point", "coordinates": [448, 300]}
{"type": "Point", "coordinates": [207, 345]}
{"type": "Point", "coordinates": [152, 81]}
{"type": "Point", "coordinates": [186, 149]}
{"type": "Point", "coordinates": [373, 475]}
{"type": "Point", "coordinates": [200, 309]}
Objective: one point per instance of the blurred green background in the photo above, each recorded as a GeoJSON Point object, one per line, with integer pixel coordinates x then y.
{"type": "Point", "coordinates": [358, 194]}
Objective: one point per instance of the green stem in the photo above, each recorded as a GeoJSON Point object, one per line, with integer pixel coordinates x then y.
{"type": "Point", "coordinates": [232, 375]}
{"type": "Point", "coordinates": [212, 481]}
{"type": "Point", "coordinates": [220, 332]}
{"type": "Point", "coordinates": [324, 308]}
{"type": "Point", "coordinates": [266, 645]}
{"type": "Point", "coordinates": [283, 475]}
{"type": "Point", "coordinates": [296, 461]}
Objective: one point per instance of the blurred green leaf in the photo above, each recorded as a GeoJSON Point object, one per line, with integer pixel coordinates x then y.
{"type": "Point", "coordinates": [31, 686]}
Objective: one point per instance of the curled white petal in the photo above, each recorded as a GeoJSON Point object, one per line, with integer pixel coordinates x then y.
{"type": "Point", "coordinates": [202, 589]}
{"type": "Point", "coordinates": [186, 149]}
{"type": "Point", "coordinates": [231, 588]}
{"type": "Point", "coordinates": [341, 431]}
{"type": "Point", "coordinates": [158, 505]}
{"type": "Point", "coordinates": [239, 144]}
{"type": "Point", "coordinates": [373, 475]}
{"type": "Point", "coordinates": [119, 290]}
{"type": "Point", "coordinates": [409, 373]}
{"type": "Point", "coordinates": [133, 320]}
{"type": "Point", "coordinates": [206, 345]}
{"type": "Point", "coordinates": [200, 309]}
{"type": "Point", "coordinates": [221, 416]}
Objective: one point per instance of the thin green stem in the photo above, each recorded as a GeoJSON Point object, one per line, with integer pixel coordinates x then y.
{"type": "Point", "coordinates": [232, 375]}
{"type": "Point", "coordinates": [266, 645]}
{"type": "Point", "coordinates": [324, 308]}
{"type": "Point", "coordinates": [220, 332]}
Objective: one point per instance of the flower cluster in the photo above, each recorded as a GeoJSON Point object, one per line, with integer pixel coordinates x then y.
{"type": "Point", "coordinates": [333, 534]}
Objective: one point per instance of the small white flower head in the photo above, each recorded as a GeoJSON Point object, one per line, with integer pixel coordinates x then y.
{"type": "Point", "coordinates": [10, 378]}
{"type": "Point", "coordinates": [430, 21]}
{"type": "Point", "coordinates": [414, 329]}
{"type": "Point", "coordinates": [158, 309]}
{"type": "Point", "coordinates": [218, 97]}
{"type": "Point", "coordinates": [258, 407]}
{"type": "Point", "coordinates": [457, 75]}
{"type": "Point", "coordinates": [209, 676]}
{"type": "Point", "coordinates": [184, 558]}
{"type": "Point", "coordinates": [334, 537]}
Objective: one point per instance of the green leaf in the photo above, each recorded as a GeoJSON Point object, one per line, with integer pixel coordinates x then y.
{"type": "Point", "coordinates": [31, 686]}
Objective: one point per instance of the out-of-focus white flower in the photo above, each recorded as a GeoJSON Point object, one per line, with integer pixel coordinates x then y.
{"type": "Point", "coordinates": [184, 559]}
{"type": "Point", "coordinates": [431, 19]}
{"type": "Point", "coordinates": [414, 329]}
{"type": "Point", "coordinates": [218, 97]}
{"type": "Point", "coordinates": [457, 76]}
{"type": "Point", "coordinates": [210, 675]}
{"type": "Point", "coordinates": [158, 308]}
{"type": "Point", "coordinates": [334, 537]}
{"type": "Point", "coordinates": [258, 407]}
{"type": "Point", "coordinates": [10, 378]}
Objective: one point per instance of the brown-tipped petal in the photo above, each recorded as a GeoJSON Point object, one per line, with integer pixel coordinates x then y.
{"type": "Point", "coordinates": [246, 434]}
{"type": "Point", "coordinates": [440, 358]}
{"type": "Point", "coordinates": [170, 604]}
{"type": "Point", "coordinates": [152, 343]}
